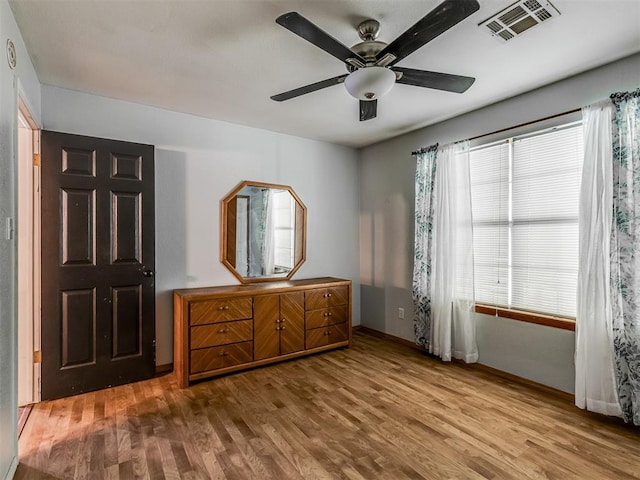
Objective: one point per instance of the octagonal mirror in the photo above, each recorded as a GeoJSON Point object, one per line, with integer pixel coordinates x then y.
{"type": "Point", "coordinates": [263, 232]}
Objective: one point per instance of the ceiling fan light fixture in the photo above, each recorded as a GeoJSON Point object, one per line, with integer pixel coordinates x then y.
{"type": "Point", "coordinates": [370, 83]}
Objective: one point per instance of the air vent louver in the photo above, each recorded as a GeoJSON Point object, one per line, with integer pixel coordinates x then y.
{"type": "Point", "coordinates": [532, 5]}
{"type": "Point", "coordinates": [518, 18]}
{"type": "Point", "coordinates": [543, 15]}
{"type": "Point", "coordinates": [512, 15]}
{"type": "Point", "coordinates": [495, 27]}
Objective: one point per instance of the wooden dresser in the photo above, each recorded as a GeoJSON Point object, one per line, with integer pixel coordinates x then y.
{"type": "Point", "coordinates": [225, 329]}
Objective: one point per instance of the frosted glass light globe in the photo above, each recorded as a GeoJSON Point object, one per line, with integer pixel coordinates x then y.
{"type": "Point", "coordinates": [369, 83]}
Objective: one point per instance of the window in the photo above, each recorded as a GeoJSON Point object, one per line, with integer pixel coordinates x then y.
{"type": "Point", "coordinates": [283, 220]}
{"type": "Point", "coordinates": [525, 194]}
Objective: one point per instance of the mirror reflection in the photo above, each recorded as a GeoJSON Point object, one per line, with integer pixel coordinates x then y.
{"type": "Point", "coordinates": [263, 227]}
{"type": "Point", "coordinates": [265, 239]}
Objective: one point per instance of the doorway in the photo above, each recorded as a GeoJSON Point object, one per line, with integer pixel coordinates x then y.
{"type": "Point", "coordinates": [28, 257]}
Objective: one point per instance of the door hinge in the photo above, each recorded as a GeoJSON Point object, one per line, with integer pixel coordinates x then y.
{"type": "Point", "coordinates": [37, 356]}
{"type": "Point", "coordinates": [37, 160]}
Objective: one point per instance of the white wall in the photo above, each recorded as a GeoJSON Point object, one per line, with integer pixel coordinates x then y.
{"type": "Point", "coordinates": [539, 353]}
{"type": "Point", "coordinates": [198, 162]}
{"type": "Point", "coordinates": [25, 77]}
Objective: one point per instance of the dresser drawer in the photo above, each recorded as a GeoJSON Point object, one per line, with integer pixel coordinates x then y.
{"type": "Point", "coordinates": [222, 310]}
{"type": "Point", "coordinates": [326, 297]}
{"type": "Point", "coordinates": [220, 357]}
{"type": "Point", "coordinates": [324, 317]}
{"type": "Point", "coordinates": [319, 337]}
{"type": "Point", "coordinates": [221, 333]}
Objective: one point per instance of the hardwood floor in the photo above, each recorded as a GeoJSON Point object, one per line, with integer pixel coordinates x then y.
{"type": "Point", "coordinates": [23, 414]}
{"type": "Point", "coordinates": [376, 411]}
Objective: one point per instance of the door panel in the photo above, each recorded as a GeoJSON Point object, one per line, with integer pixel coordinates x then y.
{"type": "Point", "coordinates": [77, 161]}
{"type": "Point", "coordinates": [98, 258]}
{"type": "Point", "coordinates": [127, 321]}
{"type": "Point", "coordinates": [126, 244]}
{"type": "Point", "coordinates": [266, 325]}
{"type": "Point", "coordinates": [78, 327]}
{"type": "Point", "coordinates": [127, 167]}
{"type": "Point", "coordinates": [78, 234]}
{"type": "Point", "coordinates": [292, 326]}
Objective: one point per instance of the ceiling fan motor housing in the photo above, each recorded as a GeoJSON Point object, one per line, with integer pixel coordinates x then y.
{"type": "Point", "coordinates": [369, 50]}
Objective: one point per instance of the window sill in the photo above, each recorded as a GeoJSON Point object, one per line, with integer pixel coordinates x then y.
{"type": "Point", "coordinates": [538, 318]}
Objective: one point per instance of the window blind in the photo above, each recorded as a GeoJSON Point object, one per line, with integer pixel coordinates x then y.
{"type": "Point", "coordinates": [540, 183]}
{"type": "Point", "coordinates": [489, 172]}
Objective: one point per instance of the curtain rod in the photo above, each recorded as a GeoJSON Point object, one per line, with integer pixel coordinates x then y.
{"type": "Point", "coordinates": [568, 112]}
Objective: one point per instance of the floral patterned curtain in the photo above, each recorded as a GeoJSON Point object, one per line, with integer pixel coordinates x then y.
{"type": "Point", "coordinates": [425, 175]}
{"type": "Point", "coordinates": [625, 251]}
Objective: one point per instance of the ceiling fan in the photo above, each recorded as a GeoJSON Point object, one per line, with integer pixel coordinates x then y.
{"type": "Point", "coordinates": [370, 63]}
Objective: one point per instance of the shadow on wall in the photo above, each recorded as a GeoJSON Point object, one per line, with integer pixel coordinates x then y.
{"type": "Point", "coordinates": [372, 301]}
{"type": "Point", "coordinates": [171, 248]}
{"type": "Point", "coordinates": [386, 264]}
{"type": "Point", "coordinates": [399, 240]}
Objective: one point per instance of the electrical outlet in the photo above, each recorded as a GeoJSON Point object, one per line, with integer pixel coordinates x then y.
{"type": "Point", "coordinates": [401, 313]}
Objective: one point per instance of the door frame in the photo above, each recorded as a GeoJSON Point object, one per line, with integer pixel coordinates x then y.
{"type": "Point", "coordinates": [28, 254]}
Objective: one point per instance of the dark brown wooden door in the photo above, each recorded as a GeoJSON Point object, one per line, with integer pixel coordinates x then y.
{"type": "Point", "coordinates": [98, 260]}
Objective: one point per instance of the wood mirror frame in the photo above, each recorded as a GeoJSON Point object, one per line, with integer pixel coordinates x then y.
{"type": "Point", "coordinates": [229, 232]}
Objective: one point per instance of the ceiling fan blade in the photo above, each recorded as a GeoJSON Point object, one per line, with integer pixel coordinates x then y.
{"type": "Point", "coordinates": [437, 21]}
{"type": "Point", "coordinates": [368, 109]}
{"type": "Point", "coordinates": [302, 27]}
{"type": "Point", "coordinates": [439, 81]}
{"type": "Point", "coordinates": [296, 92]}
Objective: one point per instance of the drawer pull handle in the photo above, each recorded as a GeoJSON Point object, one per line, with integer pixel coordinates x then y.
{"type": "Point", "coordinates": [223, 354]}
{"type": "Point", "coordinates": [225, 307]}
{"type": "Point", "coordinates": [327, 295]}
{"type": "Point", "coordinates": [223, 330]}
{"type": "Point", "coordinates": [328, 314]}
{"type": "Point", "coordinates": [280, 320]}
{"type": "Point", "coordinates": [326, 333]}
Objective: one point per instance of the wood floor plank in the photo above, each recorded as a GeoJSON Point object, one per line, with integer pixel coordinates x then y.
{"type": "Point", "coordinates": [378, 410]}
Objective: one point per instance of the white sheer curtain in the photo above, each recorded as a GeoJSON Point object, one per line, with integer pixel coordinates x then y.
{"type": "Point", "coordinates": [453, 331]}
{"type": "Point", "coordinates": [268, 244]}
{"type": "Point", "coordinates": [595, 377]}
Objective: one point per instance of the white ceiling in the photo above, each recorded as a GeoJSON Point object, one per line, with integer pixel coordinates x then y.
{"type": "Point", "coordinates": [223, 59]}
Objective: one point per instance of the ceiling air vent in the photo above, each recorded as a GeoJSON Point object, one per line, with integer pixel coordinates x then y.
{"type": "Point", "coordinates": [518, 17]}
